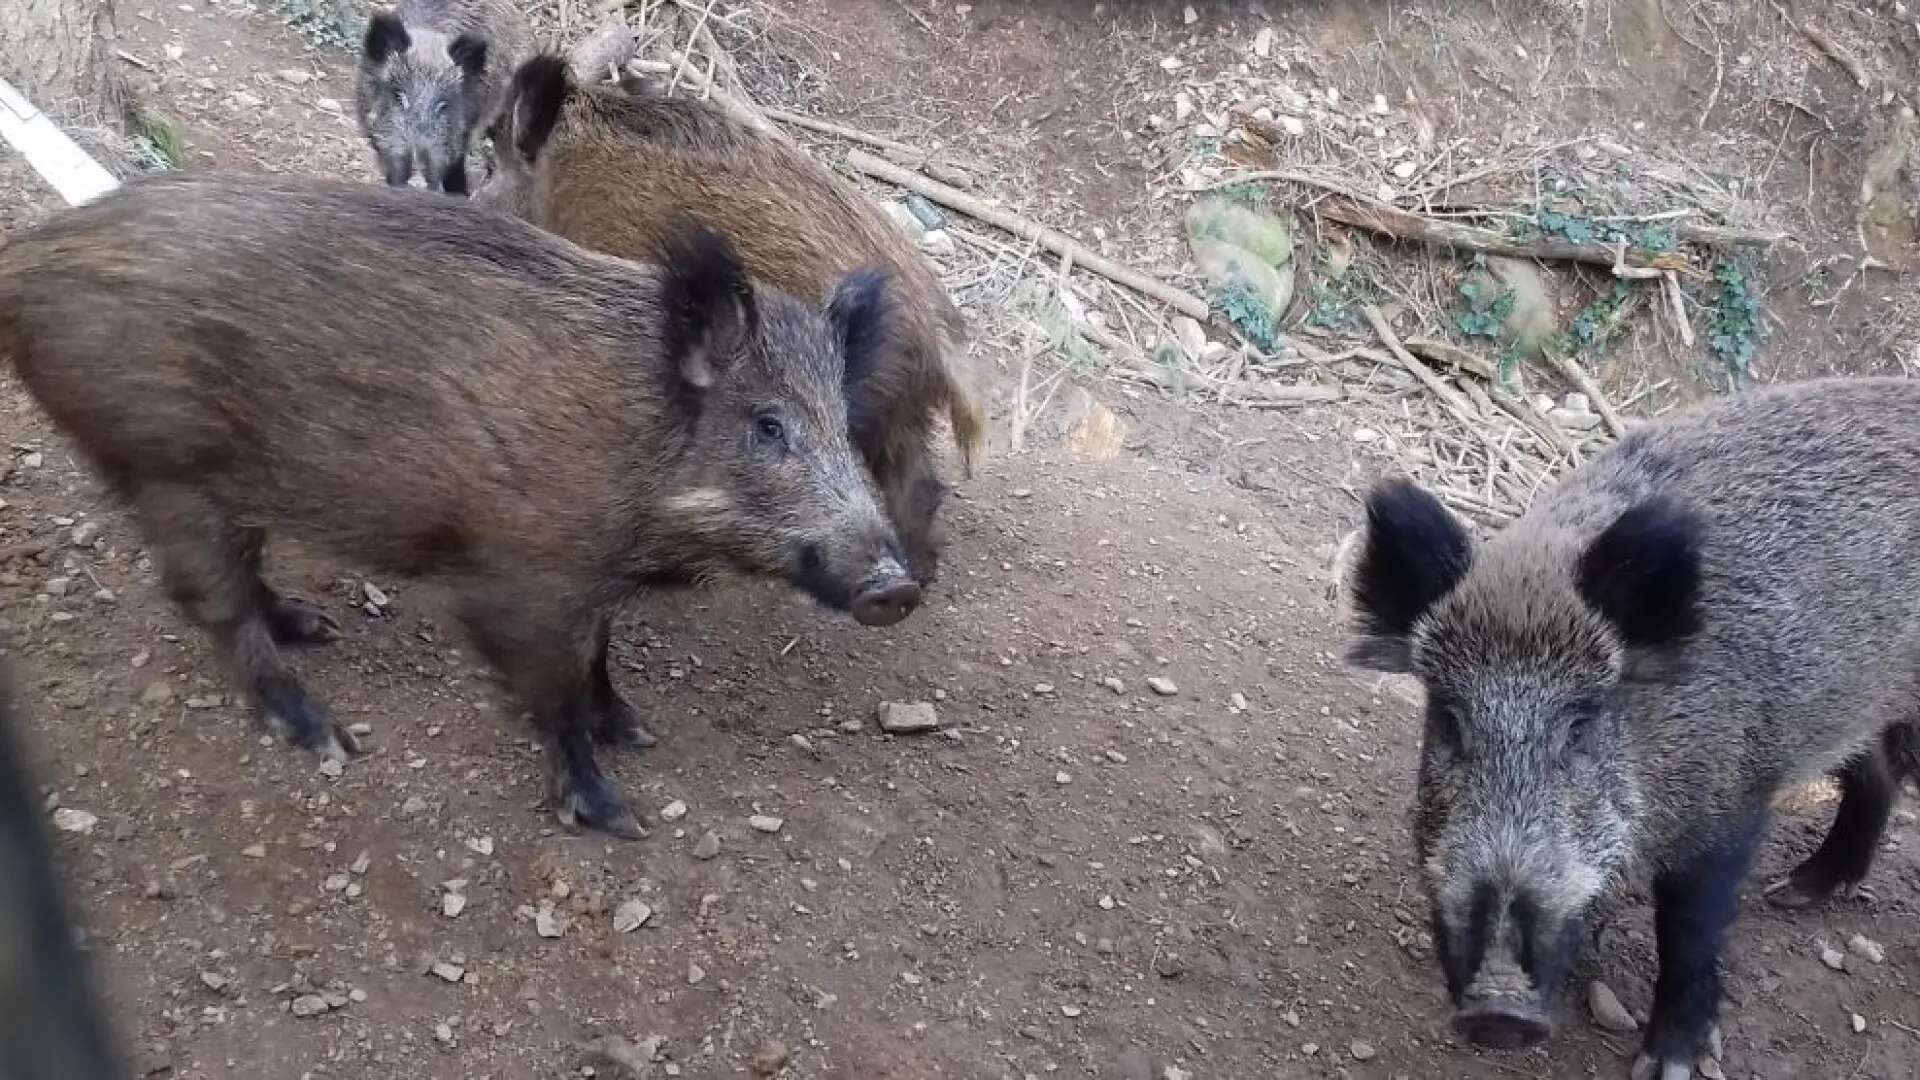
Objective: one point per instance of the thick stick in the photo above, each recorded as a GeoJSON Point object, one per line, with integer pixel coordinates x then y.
{"type": "Point", "coordinates": [1403, 225]}
{"type": "Point", "coordinates": [1184, 302]}
{"type": "Point", "coordinates": [1579, 378]}
{"type": "Point", "coordinates": [1448, 395]}
{"type": "Point", "coordinates": [1728, 236]}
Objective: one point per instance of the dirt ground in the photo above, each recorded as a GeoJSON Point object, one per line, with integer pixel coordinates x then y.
{"type": "Point", "coordinates": [1082, 877]}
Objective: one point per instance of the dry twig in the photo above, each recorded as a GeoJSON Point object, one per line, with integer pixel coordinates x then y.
{"type": "Point", "coordinates": [1577, 375]}
{"type": "Point", "coordinates": [1405, 225]}
{"type": "Point", "coordinates": [1027, 229]}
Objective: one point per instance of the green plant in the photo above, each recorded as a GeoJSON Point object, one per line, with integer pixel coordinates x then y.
{"type": "Point", "coordinates": [323, 22]}
{"type": "Point", "coordinates": [1250, 314]}
{"type": "Point", "coordinates": [157, 144]}
{"type": "Point", "coordinates": [1735, 324]}
{"type": "Point", "coordinates": [1487, 304]}
{"type": "Point", "coordinates": [1597, 321]}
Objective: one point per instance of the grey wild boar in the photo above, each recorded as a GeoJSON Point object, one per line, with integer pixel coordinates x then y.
{"type": "Point", "coordinates": [430, 78]}
{"type": "Point", "coordinates": [1713, 610]}
{"type": "Point", "coordinates": [433, 391]}
{"type": "Point", "coordinates": [612, 169]}
{"type": "Point", "coordinates": [51, 1023]}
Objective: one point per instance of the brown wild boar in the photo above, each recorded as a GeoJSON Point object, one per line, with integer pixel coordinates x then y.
{"type": "Point", "coordinates": [434, 391]}
{"type": "Point", "coordinates": [612, 169]}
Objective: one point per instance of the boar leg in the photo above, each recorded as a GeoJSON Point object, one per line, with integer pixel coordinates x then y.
{"type": "Point", "coordinates": [619, 723]}
{"type": "Point", "coordinates": [291, 621]}
{"type": "Point", "coordinates": [1867, 789]}
{"type": "Point", "coordinates": [209, 568]}
{"type": "Point", "coordinates": [552, 671]}
{"type": "Point", "coordinates": [1694, 901]}
{"type": "Point", "coordinates": [454, 181]}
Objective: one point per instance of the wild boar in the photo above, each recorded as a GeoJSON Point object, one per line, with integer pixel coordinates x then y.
{"type": "Point", "coordinates": [434, 391]}
{"type": "Point", "coordinates": [430, 78]}
{"type": "Point", "coordinates": [1628, 675]}
{"type": "Point", "coordinates": [611, 169]}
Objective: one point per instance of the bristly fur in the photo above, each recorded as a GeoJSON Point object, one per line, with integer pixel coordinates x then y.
{"type": "Point", "coordinates": [859, 310]}
{"type": "Point", "coordinates": [1415, 553]}
{"type": "Point", "coordinates": [1629, 673]}
{"type": "Point", "coordinates": [796, 225]}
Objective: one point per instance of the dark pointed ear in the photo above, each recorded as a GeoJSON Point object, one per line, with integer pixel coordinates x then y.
{"type": "Point", "coordinates": [385, 36]}
{"type": "Point", "coordinates": [859, 313]}
{"type": "Point", "coordinates": [1415, 554]}
{"type": "Point", "coordinates": [706, 302]}
{"type": "Point", "coordinates": [469, 51]}
{"type": "Point", "coordinates": [1643, 573]}
{"type": "Point", "coordinates": [540, 88]}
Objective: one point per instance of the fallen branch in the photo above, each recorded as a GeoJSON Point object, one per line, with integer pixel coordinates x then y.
{"type": "Point", "coordinates": [1580, 379]}
{"type": "Point", "coordinates": [1058, 243]}
{"type": "Point", "coordinates": [1728, 236]}
{"type": "Point", "coordinates": [1676, 301]}
{"type": "Point", "coordinates": [1856, 70]}
{"type": "Point", "coordinates": [1448, 395]}
{"type": "Point", "coordinates": [1405, 225]}
{"type": "Point", "coordinates": [1448, 353]}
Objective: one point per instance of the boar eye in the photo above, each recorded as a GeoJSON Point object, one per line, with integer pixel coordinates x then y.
{"type": "Point", "coordinates": [1580, 733]}
{"type": "Point", "coordinates": [771, 429]}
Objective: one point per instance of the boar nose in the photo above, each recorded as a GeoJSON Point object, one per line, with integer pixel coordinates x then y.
{"type": "Point", "coordinates": [1501, 1024]}
{"type": "Point", "coordinates": [888, 595]}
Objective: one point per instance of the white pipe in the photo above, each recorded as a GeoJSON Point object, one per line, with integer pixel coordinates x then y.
{"type": "Point", "coordinates": [59, 161]}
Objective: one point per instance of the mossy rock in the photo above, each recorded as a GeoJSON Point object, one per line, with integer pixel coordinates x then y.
{"type": "Point", "coordinates": [1267, 236]}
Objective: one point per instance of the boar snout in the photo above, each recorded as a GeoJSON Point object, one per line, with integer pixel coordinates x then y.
{"type": "Point", "coordinates": [1502, 1023]}
{"type": "Point", "coordinates": [887, 596]}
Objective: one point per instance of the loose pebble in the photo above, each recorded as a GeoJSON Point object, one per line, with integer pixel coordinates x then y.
{"type": "Point", "coordinates": [1607, 1010]}
{"type": "Point", "coordinates": [1859, 1022]}
{"type": "Point", "coordinates": [673, 811]}
{"type": "Point", "coordinates": [1866, 948]}
{"type": "Point", "coordinates": [67, 819]}
{"type": "Point", "coordinates": [1162, 685]}
{"type": "Point", "coordinates": [449, 972]}
{"type": "Point", "coordinates": [309, 1005]}
{"type": "Point", "coordinates": [772, 1056]}
{"type": "Point", "coordinates": [765, 823]}
{"type": "Point", "coordinates": [452, 904]}
{"type": "Point", "coordinates": [695, 974]}
{"type": "Point", "coordinates": [1362, 1050]}
{"type": "Point", "coordinates": [906, 718]}
{"type": "Point", "coordinates": [707, 847]}
{"type": "Point", "coordinates": [254, 851]}
{"type": "Point", "coordinates": [1833, 958]}
{"type": "Point", "coordinates": [630, 916]}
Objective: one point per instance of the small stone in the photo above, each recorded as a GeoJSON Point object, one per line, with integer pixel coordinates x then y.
{"type": "Point", "coordinates": [1174, 1073]}
{"type": "Point", "coordinates": [1362, 1050]}
{"type": "Point", "coordinates": [295, 76]}
{"type": "Point", "coordinates": [1866, 949]}
{"type": "Point", "coordinates": [1833, 958]}
{"type": "Point", "coordinates": [1859, 1022]}
{"type": "Point", "coordinates": [67, 819]}
{"type": "Point", "coordinates": [771, 1058]}
{"type": "Point", "coordinates": [907, 718]}
{"type": "Point", "coordinates": [1710, 1069]}
{"type": "Point", "coordinates": [443, 1033]}
{"type": "Point", "coordinates": [452, 904]}
{"type": "Point", "coordinates": [546, 923]}
{"type": "Point", "coordinates": [413, 807]}
{"type": "Point", "coordinates": [362, 864]}
{"type": "Point", "coordinates": [1114, 684]}
{"type": "Point", "coordinates": [1607, 1010]}
{"type": "Point", "coordinates": [357, 996]}
{"type": "Point", "coordinates": [33, 460]}
{"type": "Point", "coordinates": [1237, 701]}
{"type": "Point", "coordinates": [448, 972]}
{"type": "Point", "coordinates": [1574, 421]}
{"type": "Point", "coordinates": [59, 586]}
{"type": "Point", "coordinates": [939, 243]}
{"type": "Point", "coordinates": [1192, 337]}
{"type": "Point", "coordinates": [1063, 777]}
{"type": "Point", "coordinates": [1190, 16]}
{"type": "Point", "coordinates": [215, 981]}
{"type": "Point", "coordinates": [1263, 42]}
{"type": "Point", "coordinates": [1162, 685]}
{"type": "Point", "coordinates": [85, 533]}
{"type": "Point", "coordinates": [1293, 125]}
{"type": "Point", "coordinates": [803, 744]}
{"type": "Point", "coordinates": [707, 847]}
{"type": "Point", "coordinates": [158, 692]}
{"type": "Point", "coordinates": [332, 769]}
{"type": "Point", "coordinates": [480, 845]}
{"type": "Point", "coordinates": [309, 1005]}
{"type": "Point", "coordinates": [1380, 106]}
{"type": "Point", "coordinates": [335, 883]}
{"type": "Point", "coordinates": [1071, 1012]}
{"type": "Point", "coordinates": [254, 851]}
{"type": "Point", "coordinates": [141, 659]}
{"type": "Point", "coordinates": [765, 823]}
{"type": "Point", "coordinates": [1116, 757]}
{"type": "Point", "coordinates": [630, 916]}
{"type": "Point", "coordinates": [673, 811]}
{"type": "Point", "coordinates": [1106, 903]}
{"type": "Point", "coordinates": [375, 595]}
{"type": "Point", "coordinates": [695, 974]}
{"type": "Point", "coordinates": [1404, 170]}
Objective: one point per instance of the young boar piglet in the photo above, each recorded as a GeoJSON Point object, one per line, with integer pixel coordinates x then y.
{"type": "Point", "coordinates": [430, 78]}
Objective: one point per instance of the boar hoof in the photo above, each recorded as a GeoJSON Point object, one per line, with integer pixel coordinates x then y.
{"type": "Point", "coordinates": [294, 717]}
{"type": "Point", "coordinates": [1798, 891]}
{"type": "Point", "coordinates": [601, 810]}
{"type": "Point", "coordinates": [1646, 1068]}
{"type": "Point", "coordinates": [296, 622]}
{"type": "Point", "coordinates": [620, 725]}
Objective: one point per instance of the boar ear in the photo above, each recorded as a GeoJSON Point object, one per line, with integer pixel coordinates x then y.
{"type": "Point", "coordinates": [540, 88]}
{"type": "Point", "coordinates": [859, 311]}
{"type": "Point", "coordinates": [706, 302]}
{"type": "Point", "coordinates": [1643, 573]}
{"type": "Point", "coordinates": [469, 51]}
{"type": "Point", "coordinates": [385, 36]}
{"type": "Point", "coordinates": [1414, 554]}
